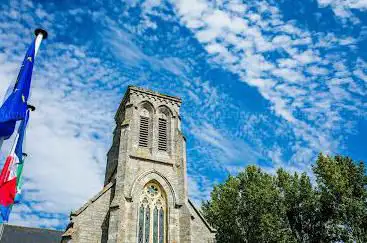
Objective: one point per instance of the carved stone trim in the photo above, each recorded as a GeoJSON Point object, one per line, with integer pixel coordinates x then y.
{"type": "Point", "coordinates": [160, 161]}
{"type": "Point", "coordinates": [161, 179]}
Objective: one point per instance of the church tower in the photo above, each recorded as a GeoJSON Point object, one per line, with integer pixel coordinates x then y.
{"type": "Point", "coordinates": [144, 199]}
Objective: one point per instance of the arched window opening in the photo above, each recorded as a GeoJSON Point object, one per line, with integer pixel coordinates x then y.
{"type": "Point", "coordinates": [164, 128]}
{"type": "Point", "coordinates": [152, 215]}
{"type": "Point", "coordinates": [162, 134]}
{"type": "Point", "coordinates": [145, 126]}
{"type": "Point", "coordinates": [144, 131]}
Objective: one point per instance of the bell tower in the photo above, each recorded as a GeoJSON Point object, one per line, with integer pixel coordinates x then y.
{"type": "Point", "coordinates": [148, 147]}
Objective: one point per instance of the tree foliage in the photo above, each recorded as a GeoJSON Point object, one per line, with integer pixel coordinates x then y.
{"type": "Point", "coordinates": [255, 206]}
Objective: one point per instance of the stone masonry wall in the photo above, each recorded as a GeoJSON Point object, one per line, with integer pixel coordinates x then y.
{"type": "Point", "coordinates": [200, 232]}
{"type": "Point", "coordinates": [90, 225]}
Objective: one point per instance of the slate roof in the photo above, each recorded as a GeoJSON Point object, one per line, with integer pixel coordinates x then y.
{"type": "Point", "coordinates": [20, 234]}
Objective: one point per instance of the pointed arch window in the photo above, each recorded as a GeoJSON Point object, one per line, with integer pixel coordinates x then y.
{"type": "Point", "coordinates": [145, 126]}
{"type": "Point", "coordinates": [162, 134]}
{"type": "Point", "coordinates": [152, 225]}
{"type": "Point", "coordinates": [144, 131]}
{"type": "Point", "coordinates": [164, 129]}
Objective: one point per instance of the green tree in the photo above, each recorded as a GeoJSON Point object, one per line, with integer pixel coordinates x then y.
{"type": "Point", "coordinates": [248, 208]}
{"type": "Point", "coordinates": [301, 205]}
{"type": "Point", "coordinates": [258, 207]}
{"type": "Point", "coordinates": [342, 189]}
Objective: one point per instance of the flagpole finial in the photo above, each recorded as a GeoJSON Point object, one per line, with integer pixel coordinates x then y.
{"type": "Point", "coordinates": [31, 107]}
{"type": "Point", "coordinates": [41, 31]}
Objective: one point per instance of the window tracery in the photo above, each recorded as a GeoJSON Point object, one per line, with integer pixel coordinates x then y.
{"type": "Point", "coordinates": [152, 215]}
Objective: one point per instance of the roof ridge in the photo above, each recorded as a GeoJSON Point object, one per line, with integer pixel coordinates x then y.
{"type": "Point", "coordinates": [153, 92]}
{"type": "Point", "coordinates": [211, 228]}
{"type": "Point", "coordinates": [27, 227]}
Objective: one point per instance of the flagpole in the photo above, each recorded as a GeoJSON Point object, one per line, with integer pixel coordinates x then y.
{"type": "Point", "coordinates": [40, 35]}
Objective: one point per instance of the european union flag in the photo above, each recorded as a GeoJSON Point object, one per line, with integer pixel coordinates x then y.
{"type": "Point", "coordinates": [15, 106]}
{"type": "Point", "coordinates": [21, 131]}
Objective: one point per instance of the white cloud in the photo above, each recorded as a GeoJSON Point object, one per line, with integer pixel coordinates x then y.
{"type": "Point", "coordinates": [301, 82]}
{"type": "Point", "coordinates": [316, 70]}
{"type": "Point", "coordinates": [361, 70]}
{"type": "Point", "coordinates": [124, 47]}
{"type": "Point", "coordinates": [232, 150]}
{"type": "Point", "coordinates": [343, 8]}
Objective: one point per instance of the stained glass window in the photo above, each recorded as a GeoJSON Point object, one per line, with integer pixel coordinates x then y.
{"type": "Point", "coordinates": [141, 224]}
{"type": "Point", "coordinates": [161, 225]}
{"type": "Point", "coordinates": [152, 190]}
{"type": "Point", "coordinates": [147, 224]}
{"type": "Point", "coordinates": [155, 226]}
{"type": "Point", "coordinates": [152, 216]}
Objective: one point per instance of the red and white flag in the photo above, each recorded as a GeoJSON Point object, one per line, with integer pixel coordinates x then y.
{"type": "Point", "coordinates": [8, 181]}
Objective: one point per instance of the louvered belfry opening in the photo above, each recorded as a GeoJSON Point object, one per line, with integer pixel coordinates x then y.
{"type": "Point", "coordinates": [144, 131]}
{"type": "Point", "coordinates": [162, 134]}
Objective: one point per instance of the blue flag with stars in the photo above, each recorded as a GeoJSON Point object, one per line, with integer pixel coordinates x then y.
{"type": "Point", "coordinates": [15, 106]}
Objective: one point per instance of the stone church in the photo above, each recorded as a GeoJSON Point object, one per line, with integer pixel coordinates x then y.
{"type": "Point", "coordinates": [144, 198]}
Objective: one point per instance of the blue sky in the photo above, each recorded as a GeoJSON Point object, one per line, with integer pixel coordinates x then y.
{"type": "Point", "coordinates": [271, 83]}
